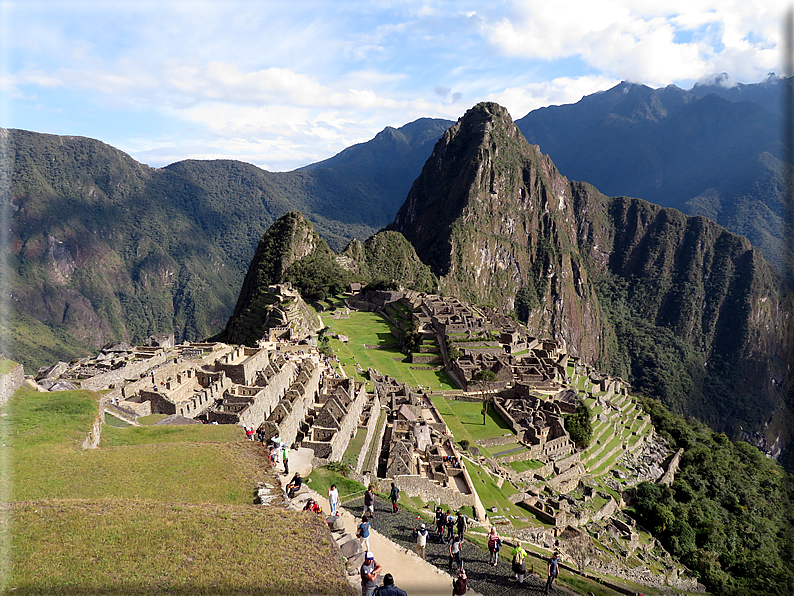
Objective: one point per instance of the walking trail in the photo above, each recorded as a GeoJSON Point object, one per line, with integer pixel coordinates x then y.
{"type": "Point", "coordinates": [412, 574]}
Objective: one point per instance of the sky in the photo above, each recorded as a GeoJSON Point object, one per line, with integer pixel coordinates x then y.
{"type": "Point", "coordinates": [284, 84]}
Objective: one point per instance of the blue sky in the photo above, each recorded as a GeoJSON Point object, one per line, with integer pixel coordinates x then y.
{"type": "Point", "coordinates": [284, 84]}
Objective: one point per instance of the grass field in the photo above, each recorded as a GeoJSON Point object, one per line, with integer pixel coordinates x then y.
{"type": "Point", "coordinates": [373, 329]}
{"type": "Point", "coordinates": [165, 510]}
{"type": "Point", "coordinates": [6, 366]}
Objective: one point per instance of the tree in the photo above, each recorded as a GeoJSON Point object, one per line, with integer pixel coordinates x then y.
{"type": "Point", "coordinates": [483, 379]}
{"type": "Point", "coordinates": [580, 426]}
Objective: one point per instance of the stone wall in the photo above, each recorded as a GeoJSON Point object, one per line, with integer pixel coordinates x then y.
{"type": "Point", "coordinates": [429, 358]}
{"type": "Point", "coordinates": [243, 364]}
{"type": "Point", "coordinates": [334, 448]}
{"type": "Point", "coordinates": [115, 377]}
{"type": "Point", "coordinates": [427, 490]}
{"type": "Point", "coordinates": [289, 413]}
{"type": "Point", "coordinates": [372, 427]}
{"type": "Point", "coordinates": [10, 382]}
{"type": "Point", "coordinates": [265, 401]}
{"type": "Point", "coordinates": [498, 441]}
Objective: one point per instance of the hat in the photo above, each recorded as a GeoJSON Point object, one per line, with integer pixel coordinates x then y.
{"type": "Point", "coordinates": [369, 555]}
{"type": "Point", "coordinates": [422, 526]}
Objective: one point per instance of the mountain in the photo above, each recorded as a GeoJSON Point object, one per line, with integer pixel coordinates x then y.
{"type": "Point", "coordinates": [712, 151]}
{"type": "Point", "coordinates": [291, 251]}
{"type": "Point", "coordinates": [103, 248]}
{"type": "Point", "coordinates": [685, 310]}
{"type": "Point", "coordinates": [373, 178]}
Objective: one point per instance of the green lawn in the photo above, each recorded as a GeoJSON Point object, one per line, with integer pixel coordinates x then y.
{"type": "Point", "coordinates": [373, 329]}
{"type": "Point", "coordinates": [464, 419]}
{"type": "Point", "coordinates": [528, 464]}
{"type": "Point", "coordinates": [354, 448]}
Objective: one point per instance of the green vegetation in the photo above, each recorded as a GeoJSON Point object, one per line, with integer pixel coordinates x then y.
{"type": "Point", "coordinates": [172, 238]}
{"type": "Point", "coordinates": [580, 425]}
{"type": "Point", "coordinates": [6, 366]}
{"type": "Point", "coordinates": [318, 275]}
{"type": "Point", "coordinates": [372, 329]}
{"type": "Point", "coordinates": [729, 514]}
{"type": "Point", "coordinates": [323, 477]}
{"type": "Point", "coordinates": [153, 509]}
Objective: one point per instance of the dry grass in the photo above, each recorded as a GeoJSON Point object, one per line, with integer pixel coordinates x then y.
{"type": "Point", "coordinates": [152, 511]}
{"type": "Point", "coordinates": [145, 547]}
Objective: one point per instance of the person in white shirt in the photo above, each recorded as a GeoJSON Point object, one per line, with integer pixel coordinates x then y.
{"type": "Point", "coordinates": [333, 499]}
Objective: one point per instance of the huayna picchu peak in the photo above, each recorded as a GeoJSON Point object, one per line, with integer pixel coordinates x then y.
{"type": "Point", "coordinates": [685, 310]}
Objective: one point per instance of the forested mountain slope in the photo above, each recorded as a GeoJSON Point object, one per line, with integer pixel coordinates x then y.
{"type": "Point", "coordinates": [103, 248]}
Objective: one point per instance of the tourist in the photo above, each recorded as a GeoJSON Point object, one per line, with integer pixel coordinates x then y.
{"type": "Point", "coordinates": [363, 532]}
{"type": "Point", "coordinates": [462, 523]}
{"type": "Point", "coordinates": [494, 545]}
{"type": "Point", "coordinates": [519, 564]}
{"type": "Point", "coordinates": [369, 571]}
{"type": "Point", "coordinates": [333, 499]}
{"type": "Point", "coordinates": [459, 585]}
{"type": "Point", "coordinates": [393, 496]}
{"type": "Point", "coordinates": [455, 555]}
{"type": "Point", "coordinates": [294, 485]}
{"type": "Point", "coordinates": [285, 459]}
{"type": "Point", "coordinates": [440, 523]}
{"type": "Point", "coordinates": [420, 534]}
{"type": "Point", "coordinates": [450, 525]}
{"type": "Point", "coordinates": [388, 588]}
{"type": "Point", "coordinates": [554, 570]}
{"type": "Point", "coordinates": [369, 502]}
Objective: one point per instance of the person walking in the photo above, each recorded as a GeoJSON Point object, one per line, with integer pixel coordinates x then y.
{"type": "Point", "coordinates": [421, 540]}
{"type": "Point", "coordinates": [393, 496]}
{"type": "Point", "coordinates": [494, 545]}
{"type": "Point", "coordinates": [441, 521]}
{"type": "Point", "coordinates": [363, 532]}
{"type": "Point", "coordinates": [333, 499]}
{"type": "Point", "coordinates": [519, 564]}
{"type": "Point", "coordinates": [462, 523]}
{"type": "Point", "coordinates": [369, 502]}
{"type": "Point", "coordinates": [369, 572]}
{"type": "Point", "coordinates": [450, 525]}
{"type": "Point", "coordinates": [554, 570]}
{"type": "Point", "coordinates": [388, 588]}
{"type": "Point", "coordinates": [459, 585]}
{"type": "Point", "coordinates": [455, 555]}
{"type": "Point", "coordinates": [285, 460]}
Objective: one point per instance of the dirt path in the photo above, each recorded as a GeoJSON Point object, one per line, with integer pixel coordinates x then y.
{"type": "Point", "coordinates": [412, 574]}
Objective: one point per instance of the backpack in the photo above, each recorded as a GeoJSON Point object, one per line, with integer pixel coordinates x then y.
{"type": "Point", "coordinates": [459, 587]}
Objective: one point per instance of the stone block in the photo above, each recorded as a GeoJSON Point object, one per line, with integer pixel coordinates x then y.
{"type": "Point", "coordinates": [350, 548]}
{"type": "Point", "coordinates": [335, 523]}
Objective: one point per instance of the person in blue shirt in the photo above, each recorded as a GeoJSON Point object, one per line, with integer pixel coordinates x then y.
{"type": "Point", "coordinates": [554, 570]}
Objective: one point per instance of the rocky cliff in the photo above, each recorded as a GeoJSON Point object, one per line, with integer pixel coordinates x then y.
{"type": "Point", "coordinates": [686, 310]}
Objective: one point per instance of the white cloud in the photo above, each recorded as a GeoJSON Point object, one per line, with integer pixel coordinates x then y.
{"type": "Point", "coordinates": [519, 101]}
{"type": "Point", "coordinates": [639, 40]}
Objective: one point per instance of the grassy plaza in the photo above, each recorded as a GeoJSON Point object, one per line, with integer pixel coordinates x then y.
{"type": "Point", "coordinates": [372, 329]}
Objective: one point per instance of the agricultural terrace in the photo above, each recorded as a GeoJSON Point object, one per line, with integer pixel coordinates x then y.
{"type": "Point", "coordinates": [371, 329]}
{"type": "Point", "coordinates": [465, 421]}
{"type": "Point", "coordinates": [153, 509]}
